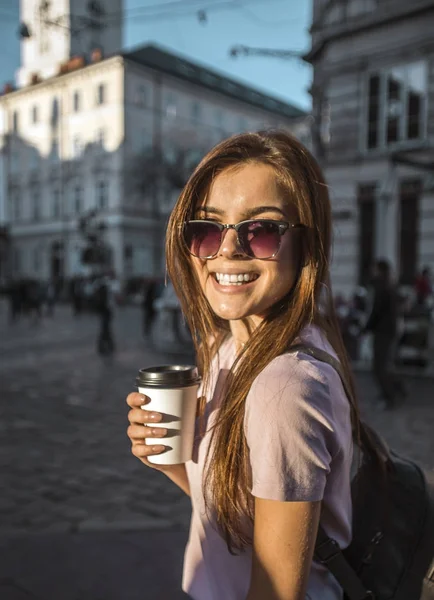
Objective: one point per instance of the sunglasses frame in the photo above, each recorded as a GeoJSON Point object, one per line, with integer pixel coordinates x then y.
{"type": "Point", "coordinates": [283, 227]}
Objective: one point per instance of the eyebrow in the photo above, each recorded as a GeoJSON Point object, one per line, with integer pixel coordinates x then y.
{"type": "Point", "coordinates": [247, 214]}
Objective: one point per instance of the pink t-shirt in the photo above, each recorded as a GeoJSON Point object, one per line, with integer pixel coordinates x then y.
{"type": "Point", "coordinates": [297, 426]}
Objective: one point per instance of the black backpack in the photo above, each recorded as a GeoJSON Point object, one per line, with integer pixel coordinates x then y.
{"type": "Point", "coordinates": [391, 555]}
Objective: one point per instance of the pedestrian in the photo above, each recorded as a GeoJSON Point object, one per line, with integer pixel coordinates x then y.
{"type": "Point", "coordinates": [383, 324]}
{"type": "Point", "coordinates": [423, 287]}
{"type": "Point", "coordinates": [148, 305]}
{"type": "Point", "coordinates": [50, 297]}
{"type": "Point", "coordinates": [77, 295]}
{"type": "Point", "coordinates": [35, 300]}
{"type": "Point", "coordinates": [104, 306]}
{"type": "Point", "coordinates": [248, 251]}
{"type": "Point", "coordinates": [13, 293]}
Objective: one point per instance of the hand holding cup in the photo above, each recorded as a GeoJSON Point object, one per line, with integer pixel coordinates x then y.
{"type": "Point", "coordinates": [140, 429]}
{"type": "Point", "coordinates": [167, 400]}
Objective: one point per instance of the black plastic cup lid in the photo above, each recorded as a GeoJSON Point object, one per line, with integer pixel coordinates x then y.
{"type": "Point", "coordinates": [168, 376]}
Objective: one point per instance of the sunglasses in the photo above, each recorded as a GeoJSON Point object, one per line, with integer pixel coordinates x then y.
{"type": "Point", "coordinates": [259, 238]}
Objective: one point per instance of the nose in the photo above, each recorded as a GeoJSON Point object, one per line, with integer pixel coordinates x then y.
{"type": "Point", "coordinates": [229, 247]}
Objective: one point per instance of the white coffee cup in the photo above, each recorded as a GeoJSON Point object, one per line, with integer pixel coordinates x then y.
{"type": "Point", "coordinates": [173, 393]}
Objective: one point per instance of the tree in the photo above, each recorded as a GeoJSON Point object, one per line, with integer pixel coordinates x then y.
{"type": "Point", "coordinates": [96, 254]}
{"type": "Point", "coordinates": [150, 172]}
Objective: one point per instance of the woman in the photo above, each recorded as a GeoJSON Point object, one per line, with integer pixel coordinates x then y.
{"type": "Point", "coordinates": [248, 250]}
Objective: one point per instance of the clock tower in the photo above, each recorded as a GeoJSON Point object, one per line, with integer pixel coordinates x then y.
{"type": "Point", "coordinates": [52, 31]}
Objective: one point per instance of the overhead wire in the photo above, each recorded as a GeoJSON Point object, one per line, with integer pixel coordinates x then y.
{"type": "Point", "coordinates": [265, 22]}
{"type": "Point", "coordinates": [178, 8]}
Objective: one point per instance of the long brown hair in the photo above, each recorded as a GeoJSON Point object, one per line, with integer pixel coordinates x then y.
{"type": "Point", "coordinates": [227, 474]}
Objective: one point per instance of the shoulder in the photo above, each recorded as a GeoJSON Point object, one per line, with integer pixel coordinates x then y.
{"type": "Point", "coordinates": [292, 378]}
{"type": "Point", "coordinates": [297, 390]}
{"type": "Point", "coordinates": [298, 371]}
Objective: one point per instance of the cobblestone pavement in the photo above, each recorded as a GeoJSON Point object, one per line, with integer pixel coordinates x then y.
{"type": "Point", "coordinates": [65, 457]}
{"type": "Point", "coordinates": [66, 466]}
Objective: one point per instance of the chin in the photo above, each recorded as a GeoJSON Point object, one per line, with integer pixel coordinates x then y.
{"type": "Point", "coordinates": [235, 313]}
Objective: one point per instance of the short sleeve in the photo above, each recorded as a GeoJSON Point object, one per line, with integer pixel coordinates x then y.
{"type": "Point", "coordinates": [289, 431]}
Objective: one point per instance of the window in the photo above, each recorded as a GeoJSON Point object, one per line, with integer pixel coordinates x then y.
{"type": "Point", "coordinates": [55, 111]}
{"type": "Point", "coordinates": [55, 208]}
{"type": "Point", "coordinates": [141, 95]}
{"type": "Point", "coordinates": [15, 161]}
{"type": "Point", "coordinates": [78, 199]}
{"type": "Point", "coordinates": [34, 159]}
{"type": "Point", "coordinates": [409, 206]}
{"type": "Point", "coordinates": [143, 140]}
{"type": "Point", "coordinates": [101, 94]}
{"type": "Point", "coordinates": [15, 122]}
{"type": "Point", "coordinates": [54, 153]}
{"type": "Point", "coordinates": [37, 259]}
{"type": "Point", "coordinates": [35, 114]}
{"type": "Point", "coordinates": [128, 258]}
{"type": "Point", "coordinates": [76, 102]}
{"type": "Point", "coordinates": [36, 205]}
{"type": "Point", "coordinates": [196, 111]}
{"type": "Point", "coordinates": [366, 197]}
{"type": "Point", "coordinates": [325, 123]}
{"type": "Point", "coordinates": [77, 146]}
{"type": "Point", "coordinates": [101, 195]}
{"type": "Point", "coordinates": [170, 104]}
{"type": "Point", "coordinates": [14, 206]}
{"type": "Point", "coordinates": [17, 208]}
{"type": "Point", "coordinates": [396, 105]}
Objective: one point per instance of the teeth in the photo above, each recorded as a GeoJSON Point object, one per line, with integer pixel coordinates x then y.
{"type": "Point", "coordinates": [233, 279]}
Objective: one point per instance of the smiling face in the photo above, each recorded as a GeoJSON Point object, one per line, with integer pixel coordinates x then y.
{"type": "Point", "coordinates": [247, 192]}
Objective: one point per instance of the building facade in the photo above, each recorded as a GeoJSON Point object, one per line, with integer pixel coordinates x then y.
{"type": "Point", "coordinates": [373, 108]}
{"type": "Point", "coordinates": [89, 135]}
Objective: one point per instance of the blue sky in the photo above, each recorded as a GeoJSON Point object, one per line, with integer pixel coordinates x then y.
{"type": "Point", "coordinates": [277, 24]}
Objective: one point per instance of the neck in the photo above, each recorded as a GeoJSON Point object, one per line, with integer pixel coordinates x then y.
{"type": "Point", "coordinates": [242, 329]}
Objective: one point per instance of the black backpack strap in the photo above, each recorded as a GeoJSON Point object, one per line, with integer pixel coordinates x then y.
{"type": "Point", "coordinates": [327, 550]}
{"type": "Point", "coordinates": [328, 553]}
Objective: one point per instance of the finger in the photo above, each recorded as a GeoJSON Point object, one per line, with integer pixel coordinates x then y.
{"type": "Point", "coordinates": [137, 415]}
{"type": "Point", "coordinates": [143, 451]}
{"type": "Point", "coordinates": [135, 400]}
{"type": "Point", "coordinates": [139, 433]}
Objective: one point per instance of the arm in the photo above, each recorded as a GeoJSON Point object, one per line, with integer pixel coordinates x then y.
{"type": "Point", "coordinates": [291, 435]}
{"type": "Point", "coordinates": [283, 546]}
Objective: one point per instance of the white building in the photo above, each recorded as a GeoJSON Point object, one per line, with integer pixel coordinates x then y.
{"type": "Point", "coordinates": [73, 135]}
{"type": "Point", "coordinates": [373, 103]}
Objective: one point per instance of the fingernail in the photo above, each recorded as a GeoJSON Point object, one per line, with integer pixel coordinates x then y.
{"type": "Point", "coordinates": [155, 417]}
{"type": "Point", "coordinates": [159, 431]}
{"type": "Point", "coordinates": [157, 448]}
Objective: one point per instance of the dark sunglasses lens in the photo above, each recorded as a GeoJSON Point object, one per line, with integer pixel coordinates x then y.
{"type": "Point", "coordinates": [202, 239]}
{"type": "Point", "coordinates": [259, 239]}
